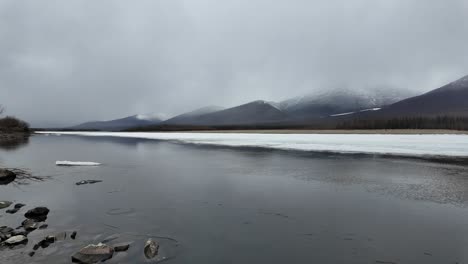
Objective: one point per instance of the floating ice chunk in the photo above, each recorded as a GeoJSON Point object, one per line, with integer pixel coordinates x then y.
{"type": "Point", "coordinates": [76, 163]}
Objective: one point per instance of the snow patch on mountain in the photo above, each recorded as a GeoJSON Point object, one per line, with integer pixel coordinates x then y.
{"type": "Point", "coordinates": [151, 116]}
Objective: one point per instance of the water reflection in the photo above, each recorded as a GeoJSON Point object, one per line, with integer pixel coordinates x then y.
{"type": "Point", "coordinates": [13, 141]}
{"type": "Point", "coordinates": [208, 204]}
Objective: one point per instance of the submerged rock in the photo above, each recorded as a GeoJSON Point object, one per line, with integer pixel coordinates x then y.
{"type": "Point", "coordinates": [12, 211]}
{"type": "Point", "coordinates": [15, 240]}
{"type": "Point", "coordinates": [121, 247]}
{"type": "Point", "coordinates": [5, 204]}
{"type": "Point", "coordinates": [6, 176]}
{"type": "Point", "coordinates": [29, 225]}
{"type": "Point", "coordinates": [45, 243]}
{"type": "Point", "coordinates": [87, 182]}
{"type": "Point", "coordinates": [38, 213]}
{"type": "Point", "coordinates": [44, 226]}
{"type": "Point", "coordinates": [19, 205]}
{"type": "Point", "coordinates": [93, 254]}
{"type": "Point", "coordinates": [151, 249]}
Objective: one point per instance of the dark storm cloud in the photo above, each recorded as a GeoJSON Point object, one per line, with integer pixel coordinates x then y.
{"type": "Point", "coordinates": [63, 62]}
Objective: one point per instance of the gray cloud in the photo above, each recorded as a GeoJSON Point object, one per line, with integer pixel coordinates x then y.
{"type": "Point", "coordinates": [63, 62]}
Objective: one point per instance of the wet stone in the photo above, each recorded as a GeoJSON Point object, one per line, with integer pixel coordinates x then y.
{"type": "Point", "coordinates": [29, 225]}
{"type": "Point", "coordinates": [73, 235]}
{"type": "Point", "coordinates": [121, 247]}
{"type": "Point", "coordinates": [5, 204]}
{"type": "Point", "coordinates": [12, 211]}
{"type": "Point", "coordinates": [87, 182]}
{"type": "Point", "coordinates": [151, 249]}
{"type": "Point", "coordinates": [19, 205]}
{"type": "Point", "coordinates": [16, 240]}
{"type": "Point", "coordinates": [38, 213]}
{"type": "Point", "coordinates": [93, 254]}
{"type": "Point", "coordinates": [6, 176]}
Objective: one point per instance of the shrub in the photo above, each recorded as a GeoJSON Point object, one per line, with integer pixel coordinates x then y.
{"type": "Point", "coordinates": [13, 124]}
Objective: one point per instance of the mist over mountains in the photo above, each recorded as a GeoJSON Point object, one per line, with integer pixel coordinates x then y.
{"type": "Point", "coordinates": [327, 107]}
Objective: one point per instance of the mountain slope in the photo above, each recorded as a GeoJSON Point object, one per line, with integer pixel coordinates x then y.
{"type": "Point", "coordinates": [336, 102]}
{"type": "Point", "coordinates": [119, 124]}
{"type": "Point", "coordinates": [257, 112]}
{"type": "Point", "coordinates": [187, 117]}
{"type": "Point", "coordinates": [450, 99]}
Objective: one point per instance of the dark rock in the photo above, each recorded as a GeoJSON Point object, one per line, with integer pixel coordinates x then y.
{"type": "Point", "coordinates": [45, 242]}
{"type": "Point", "coordinates": [31, 253]}
{"type": "Point", "coordinates": [39, 214]}
{"type": "Point", "coordinates": [93, 254]}
{"type": "Point", "coordinates": [151, 249]}
{"type": "Point", "coordinates": [6, 176]}
{"type": "Point", "coordinates": [16, 240]}
{"type": "Point", "coordinates": [5, 204]}
{"type": "Point", "coordinates": [44, 226]}
{"type": "Point", "coordinates": [50, 239]}
{"type": "Point", "coordinates": [12, 211]}
{"type": "Point", "coordinates": [87, 182]}
{"type": "Point", "coordinates": [73, 235]}
{"type": "Point", "coordinates": [121, 247]}
{"type": "Point", "coordinates": [19, 205]}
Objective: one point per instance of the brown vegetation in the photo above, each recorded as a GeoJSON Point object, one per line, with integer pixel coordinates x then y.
{"type": "Point", "coordinates": [11, 124]}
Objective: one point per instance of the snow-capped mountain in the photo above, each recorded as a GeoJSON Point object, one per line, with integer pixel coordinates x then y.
{"type": "Point", "coordinates": [335, 102]}
{"type": "Point", "coordinates": [121, 123]}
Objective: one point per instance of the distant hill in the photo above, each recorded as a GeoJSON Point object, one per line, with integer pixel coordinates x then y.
{"type": "Point", "coordinates": [190, 116]}
{"type": "Point", "coordinates": [257, 112]}
{"type": "Point", "coordinates": [119, 124]}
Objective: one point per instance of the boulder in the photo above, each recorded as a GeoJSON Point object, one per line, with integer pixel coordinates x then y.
{"type": "Point", "coordinates": [151, 249]}
{"type": "Point", "coordinates": [16, 240]}
{"type": "Point", "coordinates": [93, 254]}
{"type": "Point", "coordinates": [39, 214]}
{"type": "Point", "coordinates": [6, 176]}
{"type": "Point", "coordinates": [73, 235]}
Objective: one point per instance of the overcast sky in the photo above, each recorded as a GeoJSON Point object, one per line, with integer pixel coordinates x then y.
{"type": "Point", "coordinates": [64, 62]}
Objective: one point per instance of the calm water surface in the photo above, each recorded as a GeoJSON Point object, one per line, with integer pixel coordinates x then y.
{"type": "Point", "coordinates": [234, 205]}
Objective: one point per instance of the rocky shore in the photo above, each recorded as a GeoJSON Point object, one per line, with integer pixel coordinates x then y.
{"type": "Point", "coordinates": [17, 237]}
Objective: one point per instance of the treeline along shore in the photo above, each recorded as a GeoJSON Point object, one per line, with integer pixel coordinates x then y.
{"type": "Point", "coordinates": [458, 123]}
